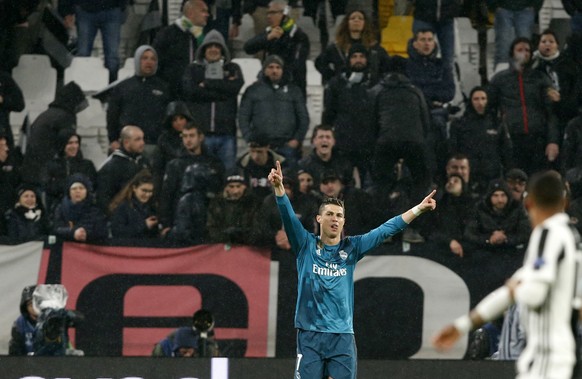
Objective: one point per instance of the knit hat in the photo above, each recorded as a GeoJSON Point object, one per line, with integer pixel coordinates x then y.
{"type": "Point", "coordinates": [78, 178]}
{"type": "Point", "coordinates": [273, 59]}
{"type": "Point", "coordinates": [23, 188]}
{"type": "Point", "coordinates": [357, 48]}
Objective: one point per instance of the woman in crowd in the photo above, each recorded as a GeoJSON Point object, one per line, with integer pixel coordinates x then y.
{"type": "Point", "coordinates": [27, 220]}
{"type": "Point", "coordinates": [132, 212]}
{"type": "Point", "coordinates": [77, 218]}
{"type": "Point", "coordinates": [68, 161]}
{"type": "Point", "coordinates": [356, 27]}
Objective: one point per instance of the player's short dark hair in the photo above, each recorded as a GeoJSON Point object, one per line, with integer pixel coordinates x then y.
{"type": "Point", "coordinates": [331, 201]}
{"type": "Point", "coordinates": [547, 189]}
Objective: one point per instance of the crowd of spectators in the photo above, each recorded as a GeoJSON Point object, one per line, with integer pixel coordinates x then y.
{"type": "Point", "coordinates": [387, 133]}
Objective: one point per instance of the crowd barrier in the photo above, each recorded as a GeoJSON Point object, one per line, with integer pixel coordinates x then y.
{"type": "Point", "coordinates": [133, 296]}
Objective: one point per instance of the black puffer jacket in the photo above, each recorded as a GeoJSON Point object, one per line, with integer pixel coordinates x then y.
{"type": "Point", "coordinates": [213, 102]}
{"type": "Point", "coordinates": [504, 97]}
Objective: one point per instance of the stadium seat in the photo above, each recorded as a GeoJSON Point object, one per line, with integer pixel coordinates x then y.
{"type": "Point", "coordinates": [250, 68]}
{"type": "Point", "coordinates": [36, 78]}
{"type": "Point", "coordinates": [396, 35]}
{"type": "Point", "coordinates": [127, 71]}
{"type": "Point", "coordinates": [313, 76]}
{"type": "Point", "coordinates": [88, 72]}
{"type": "Point", "coordinates": [92, 116]}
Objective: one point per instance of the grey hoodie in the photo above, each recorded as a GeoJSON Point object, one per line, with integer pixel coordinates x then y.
{"type": "Point", "coordinates": [137, 58]}
{"type": "Point", "coordinates": [213, 37]}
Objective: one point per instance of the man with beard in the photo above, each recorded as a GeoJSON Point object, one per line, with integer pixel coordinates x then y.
{"type": "Point", "coordinates": [348, 107]}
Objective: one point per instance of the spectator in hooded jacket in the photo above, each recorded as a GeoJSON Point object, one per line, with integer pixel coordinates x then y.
{"type": "Point", "coordinates": [42, 144]}
{"type": "Point", "coordinates": [68, 161]}
{"type": "Point", "coordinates": [77, 218]}
{"type": "Point", "coordinates": [563, 72]}
{"type": "Point", "coordinates": [275, 109]}
{"type": "Point", "coordinates": [132, 212]}
{"type": "Point", "coordinates": [211, 85]}
{"type": "Point", "coordinates": [355, 28]}
{"type": "Point", "coordinates": [349, 107]}
{"type": "Point", "coordinates": [11, 100]}
{"type": "Point", "coordinates": [499, 223]}
{"type": "Point", "coordinates": [121, 166]}
{"type": "Point", "coordinates": [480, 136]}
{"type": "Point", "coordinates": [22, 333]}
{"type": "Point", "coordinates": [170, 141]}
{"type": "Point", "coordinates": [193, 154]}
{"type": "Point", "coordinates": [521, 97]}
{"type": "Point", "coordinates": [139, 100]}
{"type": "Point", "coordinates": [231, 214]}
{"type": "Point", "coordinates": [27, 221]}
{"type": "Point", "coordinates": [176, 44]}
{"type": "Point", "coordinates": [440, 17]}
{"type": "Point", "coordinates": [284, 38]}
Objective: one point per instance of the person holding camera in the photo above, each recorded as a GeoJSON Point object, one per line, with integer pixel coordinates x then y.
{"type": "Point", "coordinates": [211, 85]}
{"type": "Point", "coordinates": [284, 38]}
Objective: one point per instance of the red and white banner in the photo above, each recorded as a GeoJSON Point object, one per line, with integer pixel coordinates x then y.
{"type": "Point", "coordinates": [131, 295]}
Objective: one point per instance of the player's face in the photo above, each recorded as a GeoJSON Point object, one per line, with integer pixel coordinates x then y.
{"type": "Point", "coordinates": [324, 142]}
{"type": "Point", "coordinates": [331, 220]}
{"type": "Point", "coordinates": [499, 200]}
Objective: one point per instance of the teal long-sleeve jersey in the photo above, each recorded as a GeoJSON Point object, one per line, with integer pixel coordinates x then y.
{"type": "Point", "coordinates": [325, 289]}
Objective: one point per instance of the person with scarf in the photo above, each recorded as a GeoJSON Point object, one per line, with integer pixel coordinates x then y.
{"type": "Point", "coordinates": [562, 70]}
{"type": "Point", "coordinates": [284, 38]}
{"type": "Point", "coordinates": [27, 221]}
{"type": "Point", "coordinates": [176, 44]}
{"type": "Point", "coordinates": [77, 218]}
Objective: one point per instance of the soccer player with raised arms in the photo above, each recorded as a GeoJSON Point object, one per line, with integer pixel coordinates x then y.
{"type": "Point", "coordinates": [544, 288]}
{"type": "Point", "coordinates": [325, 268]}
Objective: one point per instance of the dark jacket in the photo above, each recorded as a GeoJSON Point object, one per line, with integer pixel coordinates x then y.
{"type": "Point", "coordinates": [9, 181]}
{"type": "Point", "coordinates": [128, 220]}
{"type": "Point", "coordinates": [292, 47]}
{"type": "Point", "coordinates": [504, 97]}
{"type": "Point", "coordinates": [27, 224]}
{"type": "Point", "coordinates": [571, 151]}
{"type": "Point", "coordinates": [213, 102]}
{"type": "Point", "coordinates": [435, 11]}
{"type": "Point", "coordinates": [191, 211]}
{"type": "Point", "coordinates": [22, 333]}
{"type": "Point", "coordinates": [42, 144]}
{"type": "Point", "coordinates": [430, 74]}
{"type": "Point", "coordinates": [401, 111]}
{"type": "Point", "coordinates": [333, 61]}
{"type": "Point", "coordinates": [119, 168]}
{"type": "Point", "coordinates": [176, 49]}
{"type": "Point", "coordinates": [564, 74]}
{"type": "Point", "coordinates": [451, 218]}
{"type": "Point", "coordinates": [513, 220]}
{"type": "Point", "coordinates": [139, 100]}
{"type": "Point", "coordinates": [349, 107]}
{"type": "Point", "coordinates": [257, 176]}
{"type": "Point", "coordinates": [317, 167]}
{"type": "Point", "coordinates": [60, 168]}
{"type": "Point", "coordinates": [231, 221]}
{"type": "Point", "coordinates": [175, 176]}
{"type": "Point", "coordinates": [13, 101]}
{"type": "Point", "coordinates": [70, 216]}
{"type": "Point", "coordinates": [572, 6]}
{"type": "Point", "coordinates": [485, 140]}
{"type": "Point", "coordinates": [276, 112]}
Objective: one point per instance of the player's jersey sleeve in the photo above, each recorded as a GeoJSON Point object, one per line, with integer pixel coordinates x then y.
{"type": "Point", "coordinates": [296, 233]}
{"type": "Point", "coordinates": [375, 237]}
{"type": "Point", "coordinates": [545, 249]}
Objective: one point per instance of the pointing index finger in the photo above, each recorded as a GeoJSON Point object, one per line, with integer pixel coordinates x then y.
{"type": "Point", "coordinates": [279, 168]}
{"type": "Point", "coordinates": [430, 195]}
